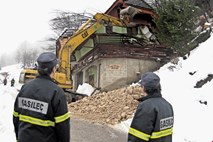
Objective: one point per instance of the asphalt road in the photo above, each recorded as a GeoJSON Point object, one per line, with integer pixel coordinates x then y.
{"type": "Point", "coordinates": [83, 131]}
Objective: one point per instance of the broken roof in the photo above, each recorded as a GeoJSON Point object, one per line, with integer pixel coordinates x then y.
{"type": "Point", "coordinates": [139, 4]}
{"type": "Point", "coordinates": [144, 7]}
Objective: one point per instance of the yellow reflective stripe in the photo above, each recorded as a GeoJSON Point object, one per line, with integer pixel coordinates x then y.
{"type": "Point", "coordinates": [63, 117]}
{"type": "Point", "coordinates": [139, 134]}
{"type": "Point", "coordinates": [15, 114]}
{"type": "Point", "coordinates": [36, 121]}
{"type": "Point", "coordinates": [162, 133]}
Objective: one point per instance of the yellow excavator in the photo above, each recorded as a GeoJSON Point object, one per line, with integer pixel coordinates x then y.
{"type": "Point", "coordinates": [66, 45]}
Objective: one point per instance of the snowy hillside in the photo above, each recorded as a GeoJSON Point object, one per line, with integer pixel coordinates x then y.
{"type": "Point", "coordinates": [193, 120]}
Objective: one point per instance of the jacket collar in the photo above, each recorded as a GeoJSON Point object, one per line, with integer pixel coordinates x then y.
{"type": "Point", "coordinates": [154, 95]}
{"type": "Point", "coordinates": [45, 77]}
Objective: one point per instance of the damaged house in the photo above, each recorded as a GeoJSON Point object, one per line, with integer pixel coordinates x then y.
{"type": "Point", "coordinates": [115, 48]}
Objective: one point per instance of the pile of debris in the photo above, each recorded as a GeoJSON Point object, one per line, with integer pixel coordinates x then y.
{"type": "Point", "coordinates": [108, 107]}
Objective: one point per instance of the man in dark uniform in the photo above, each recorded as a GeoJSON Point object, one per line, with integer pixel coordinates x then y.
{"type": "Point", "coordinates": [153, 119]}
{"type": "Point", "coordinates": [12, 82]}
{"type": "Point", "coordinates": [40, 109]}
{"type": "Point", "coordinates": [5, 81]}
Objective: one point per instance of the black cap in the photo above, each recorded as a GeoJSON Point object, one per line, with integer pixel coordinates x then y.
{"type": "Point", "coordinates": [150, 80]}
{"type": "Point", "coordinates": [47, 60]}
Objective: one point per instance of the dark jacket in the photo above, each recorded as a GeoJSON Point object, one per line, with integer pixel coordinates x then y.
{"type": "Point", "coordinates": [12, 82]}
{"type": "Point", "coordinates": [153, 120]}
{"type": "Point", "coordinates": [41, 112]}
{"type": "Point", "coordinates": [5, 81]}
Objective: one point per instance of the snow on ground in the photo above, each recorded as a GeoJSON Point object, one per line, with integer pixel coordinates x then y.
{"type": "Point", "coordinates": [7, 97]}
{"type": "Point", "coordinates": [85, 88]}
{"type": "Point", "coordinates": [193, 120]}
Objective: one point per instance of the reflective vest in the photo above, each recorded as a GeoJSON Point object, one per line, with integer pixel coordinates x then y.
{"type": "Point", "coordinates": [152, 121]}
{"type": "Point", "coordinates": [41, 112]}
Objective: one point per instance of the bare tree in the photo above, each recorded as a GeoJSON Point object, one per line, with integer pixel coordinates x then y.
{"type": "Point", "coordinates": [69, 20]}
{"type": "Point", "coordinates": [62, 20]}
{"type": "Point", "coordinates": [3, 60]}
{"type": "Point", "coordinates": [18, 56]}
{"type": "Point", "coordinates": [7, 59]}
{"type": "Point", "coordinates": [27, 55]}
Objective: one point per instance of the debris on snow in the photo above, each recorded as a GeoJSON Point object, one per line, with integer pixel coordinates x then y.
{"type": "Point", "coordinates": [108, 107]}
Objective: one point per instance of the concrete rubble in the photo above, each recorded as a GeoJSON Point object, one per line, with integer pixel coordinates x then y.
{"type": "Point", "coordinates": [109, 107]}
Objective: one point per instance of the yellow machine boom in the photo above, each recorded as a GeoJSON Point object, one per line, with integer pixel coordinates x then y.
{"type": "Point", "coordinates": [67, 45]}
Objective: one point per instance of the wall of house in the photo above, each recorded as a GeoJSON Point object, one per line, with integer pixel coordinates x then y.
{"type": "Point", "coordinates": [112, 73]}
{"type": "Point", "coordinates": [116, 73]}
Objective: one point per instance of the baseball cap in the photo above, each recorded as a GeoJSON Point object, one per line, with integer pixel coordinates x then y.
{"type": "Point", "coordinates": [150, 80]}
{"type": "Point", "coordinates": [47, 60]}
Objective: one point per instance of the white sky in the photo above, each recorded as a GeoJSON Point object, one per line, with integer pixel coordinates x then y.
{"type": "Point", "coordinates": [25, 20]}
{"type": "Point", "coordinates": [193, 122]}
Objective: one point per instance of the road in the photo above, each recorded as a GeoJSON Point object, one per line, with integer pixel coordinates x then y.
{"type": "Point", "coordinates": [83, 131]}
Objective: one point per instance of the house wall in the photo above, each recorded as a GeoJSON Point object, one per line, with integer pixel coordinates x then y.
{"type": "Point", "coordinates": [112, 73]}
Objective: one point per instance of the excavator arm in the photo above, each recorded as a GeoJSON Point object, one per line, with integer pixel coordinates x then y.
{"type": "Point", "coordinates": [88, 29]}
{"type": "Point", "coordinates": [66, 46]}
{"type": "Point", "coordinates": [81, 36]}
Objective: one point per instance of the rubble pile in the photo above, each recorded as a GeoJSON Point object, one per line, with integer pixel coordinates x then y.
{"type": "Point", "coordinates": [107, 107]}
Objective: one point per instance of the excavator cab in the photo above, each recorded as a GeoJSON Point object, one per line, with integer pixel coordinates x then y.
{"type": "Point", "coordinates": [27, 75]}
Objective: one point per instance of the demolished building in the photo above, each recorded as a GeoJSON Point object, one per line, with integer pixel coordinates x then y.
{"type": "Point", "coordinates": [114, 56]}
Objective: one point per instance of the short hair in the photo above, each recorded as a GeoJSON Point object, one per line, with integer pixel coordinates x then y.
{"type": "Point", "coordinates": [151, 91]}
{"type": "Point", "coordinates": [45, 71]}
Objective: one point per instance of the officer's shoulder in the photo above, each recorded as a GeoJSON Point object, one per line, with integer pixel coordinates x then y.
{"type": "Point", "coordinates": [147, 103]}
{"type": "Point", "coordinates": [144, 103]}
{"type": "Point", "coordinates": [55, 85]}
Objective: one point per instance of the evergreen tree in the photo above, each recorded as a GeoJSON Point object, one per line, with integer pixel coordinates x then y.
{"type": "Point", "coordinates": [176, 22]}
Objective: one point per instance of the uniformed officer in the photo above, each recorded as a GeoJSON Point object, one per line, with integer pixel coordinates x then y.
{"type": "Point", "coordinates": [40, 109]}
{"type": "Point", "coordinates": [12, 82]}
{"type": "Point", "coordinates": [153, 119]}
